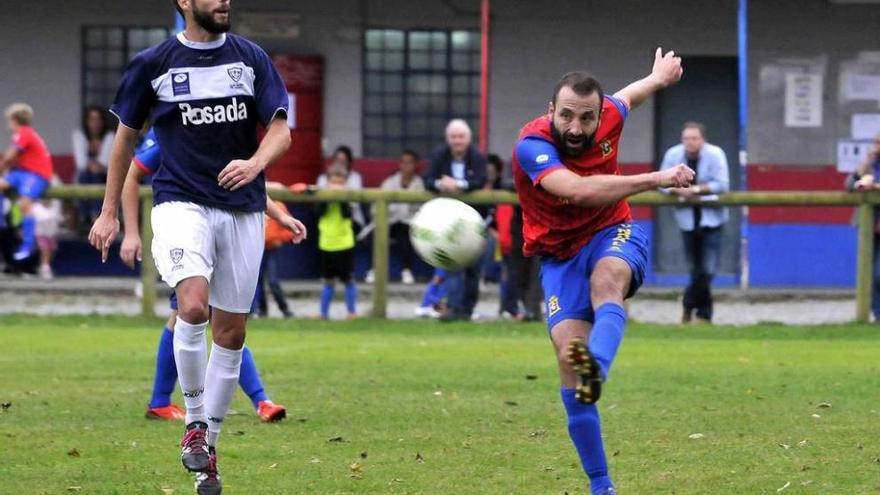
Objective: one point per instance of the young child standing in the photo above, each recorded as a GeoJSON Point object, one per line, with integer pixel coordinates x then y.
{"type": "Point", "coordinates": [47, 213]}
{"type": "Point", "coordinates": [336, 245]}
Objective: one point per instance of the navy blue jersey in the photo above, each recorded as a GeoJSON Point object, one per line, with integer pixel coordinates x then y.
{"type": "Point", "coordinates": [205, 100]}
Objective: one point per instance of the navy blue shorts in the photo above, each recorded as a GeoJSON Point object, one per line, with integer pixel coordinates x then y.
{"type": "Point", "coordinates": [566, 283]}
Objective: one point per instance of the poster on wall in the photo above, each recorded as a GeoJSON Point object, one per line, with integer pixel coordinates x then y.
{"type": "Point", "coordinates": [851, 153]}
{"type": "Point", "coordinates": [803, 100]}
{"type": "Point", "coordinates": [865, 125]}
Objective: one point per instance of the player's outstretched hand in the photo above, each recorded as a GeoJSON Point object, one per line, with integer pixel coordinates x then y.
{"type": "Point", "coordinates": [678, 176]}
{"type": "Point", "coordinates": [130, 250]}
{"type": "Point", "coordinates": [296, 228]}
{"type": "Point", "coordinates": [238, 173]}
{"type": "Point", "coordinates": [103, 233]}
{"type": "Point", "coordinates": [667, 68]}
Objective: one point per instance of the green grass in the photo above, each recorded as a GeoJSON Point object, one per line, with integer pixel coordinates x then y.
{"type": "Point", "coordinates": [426, 408]}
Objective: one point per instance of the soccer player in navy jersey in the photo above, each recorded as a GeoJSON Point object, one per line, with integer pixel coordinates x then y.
{"type": "Point", "coordinates": [206, 92]}
{"type": "Point", "coordinates": [146, 161]}
{"type": "Point", "coordinates": [575, 215]}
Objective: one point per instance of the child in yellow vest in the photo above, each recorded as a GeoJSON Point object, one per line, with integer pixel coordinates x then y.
{"type": "Point", "coordinates": [336, 245]}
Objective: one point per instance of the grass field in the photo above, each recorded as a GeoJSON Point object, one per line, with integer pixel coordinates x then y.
{"type": "Point", "coordinates": [426, 408]}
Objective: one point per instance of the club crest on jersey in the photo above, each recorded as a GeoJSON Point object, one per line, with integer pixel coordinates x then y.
{"type": "Point", "coordinates": [606, 148]}
{"type": "Point", "coordinates": [176, 255]}
{"type": "Point", "coordinates": [553, 306]}
{"type": "Point", "coordinates": [235, 75]}
{"type": "Point", "coordinates": [180, 83]}
{"type": "Point", "coordinates": [213, 114]}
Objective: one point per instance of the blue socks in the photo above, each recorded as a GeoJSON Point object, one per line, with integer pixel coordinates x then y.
{"type": "Point", "coordinates": [586, 434]}
{"type": "Point", "coordinates": [28, 233]}
{"type": "Point", "coordinates": [249, 379]}
{"type": "Point", "coordinates": [434, 294]}
{"type": "Point", "coordinates": [166, 371]}
{"type": "Point", "coordinates": [326, 297]}
{"type": "Point", "coordinates": [606, 334]}
{"type": "Point", "coordinates": [351, 294]}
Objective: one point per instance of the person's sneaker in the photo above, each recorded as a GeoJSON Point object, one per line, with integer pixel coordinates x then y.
{"type": "Point", "coordinates": [406, 277]}
{"type": "Point", "coordinates": [194, 452]}
{"type": "Point", "coordinates": [370, 278]}
{"type": "Point", "coordinates": [170, 412]}
{"type": "Point", "coordinates": [46, 272]}
{"type": "Point", "coordinates": [271, 412]}
{"type": "Point", "coordinates": [287, 313]}
{"type": "Point", "coordinates": [351, 316]}
{"type": "Point", "coordinates": [589, 373]}
{"type": "Point", "coordinates": [606, 491]}
{"type": "Point", "coordinates": [23, 253]}
{"type": "Point", "coordinates": [427, 312]}
{"type": "Point", "coordinates": [208, 481]}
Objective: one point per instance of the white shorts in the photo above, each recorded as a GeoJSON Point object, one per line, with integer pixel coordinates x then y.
{"type": "Point", "coordinates": [224, 247]}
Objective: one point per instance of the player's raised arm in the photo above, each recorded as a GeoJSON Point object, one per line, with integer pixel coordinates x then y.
{"type": "Point", "coordinates": [665, 72]}
{"type": "Point", "coordinates": [107, 224]}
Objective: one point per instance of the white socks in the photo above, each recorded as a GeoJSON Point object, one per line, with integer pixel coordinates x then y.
{"type": "Point", "coordinates": [191, 356]}
{"type": "Point", "coordinates": [221, 382]}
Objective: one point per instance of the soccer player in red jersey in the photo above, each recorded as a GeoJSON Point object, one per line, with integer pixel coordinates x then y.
{"type": "Point", "coordinates": [575, 215]}
{"type": "Point", "coordinates": [31, 171]}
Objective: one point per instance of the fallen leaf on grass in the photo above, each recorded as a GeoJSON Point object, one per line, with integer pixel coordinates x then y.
{"type": "Point", "coordinates": [74, 488]}
{"type": "Point", "coordinates": [696, 436]}
{"type": "Point", "coordinates": [238, 433]}
{"type": "Point", "coordinates": [816, 416]}
{"type": "Point", "coordinates": [5, 406]}
{"type": "Point", "coordinates": [419, 458]}
{"type": "Point", "coordinates": [273, 466]}
{"type": "Point", "coordinates": [807, 482]}
{"type": "Point", "coordinates": [167, 491]}
{"type": "Point", "coordinates": [511, 403]}
{"type": "Point", "coordinates": [785, 446]}
{"type": "Point", "coordinates": [73, 452]}
{"type": "Point", "coordinates": [538, 433]}
{"type": "Point", "coordinates": [438, 393]}
{"type": "Point", "coordinates": [824, 405]}
{"type": "Point", "coordinates": [783, 487]}
{"type": "Point", "coordinates": [302, 420]}
{"type": "Point", "coordinates": [336, 440]}
{"type": "Point", "coordinates": [363, 455]}
{"type": "Point", "coordinates": [531, 377]}
{"type": "Point", "coordinates": [803, 443]}
{"type": "Point", "coordinates": [356, 467]}
{"type": "Point", "coordinates": [314, 460]}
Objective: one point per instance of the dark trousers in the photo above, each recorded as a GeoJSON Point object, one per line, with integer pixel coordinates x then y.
{"type": "Point", "coordinates": [509, 288]}
{"type": "Point", "coordinates": [90, 209]}
{"type": "Point", "coordinates": [525, 270]}
{"type": "Point", "coordinates": [702, 248]}
{"type": "Point", "coordinates": [269, 272]}
{"type": "Point", "coordinates": [463, 289]}
{"type": "Point", "coordinates": [400, 235]}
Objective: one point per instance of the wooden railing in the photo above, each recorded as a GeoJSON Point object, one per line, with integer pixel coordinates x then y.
{"type": "Point", "coordinates": [380, 199]}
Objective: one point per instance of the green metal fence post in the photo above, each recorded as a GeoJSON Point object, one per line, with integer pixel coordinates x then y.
{"type": "Point", "coordinates": [148, 267]}
{"type": "Point", "coordinates": [865, 263]}
{"type": "Point", "coordinates": [380, 258]}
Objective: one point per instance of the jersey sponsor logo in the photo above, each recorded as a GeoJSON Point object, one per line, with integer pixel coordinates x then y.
{"type": "Point", "coordinates": [606, 148]}
{"type": "Point", "coordinates": [553, 306]}
{"type": "Point", "coordinates": [213, 114]}
{"type": "Point", "coordinates": [542, 159]}
{"type": "Point", "coordinates": [180, 83]}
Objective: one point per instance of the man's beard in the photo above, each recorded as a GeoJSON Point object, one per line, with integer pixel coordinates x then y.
{"type": "Point", "coordinates": [562, 143]}
{"type": "Point", "coordinates": [206, 20]}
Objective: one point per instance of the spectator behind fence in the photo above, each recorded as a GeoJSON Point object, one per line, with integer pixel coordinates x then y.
{"type": "Point", "coordinates": [865, 179]}
{"type": "Point", "coordinates": [500, 222]}
{"type": "Point", "coordinates": [400, 214]}
{"type": "Point", "coordinates": [344, 157]}
{"type": "Point", "coordinates": [490, 265]}
{"type": "Point", "coordinates": [276, 237]}
{"type": "Point", "coordinates": [458, 166]}
{"type": "Point", "coordinates": [701, 226]}
{"type": "Point", "coordinates": [92, 143]}
{"type": "Point", "coordinates": [30, 174]}
{"type": "Point", "coordinates": [336, 245]}
{"type": "Point", "coordinates": [48, 215]}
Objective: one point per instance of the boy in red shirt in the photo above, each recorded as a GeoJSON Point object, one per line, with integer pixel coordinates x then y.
{"type": "Point", "coordinates": [30, 174]}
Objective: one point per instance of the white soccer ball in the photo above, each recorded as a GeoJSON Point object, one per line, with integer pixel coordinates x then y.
{"type": "Point", "coordinates": [448, 234]}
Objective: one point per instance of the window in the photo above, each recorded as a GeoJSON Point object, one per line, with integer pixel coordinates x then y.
{"type": "Point", "coordinates": [106, 50]}
{"type": "Point", "coordinates": [414, 82]}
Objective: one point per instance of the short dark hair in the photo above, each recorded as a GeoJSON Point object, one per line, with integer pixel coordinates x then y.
{"type": "Point", "coordinates": [410, 152]}
{"type": "Point", "coordinates": [582, 83]}
{"type": "Point", "coordinates": [693, 124]}
{"type": "Point", "coordinates": [177, 7]}
{"type": "Point", "coordinates": [496, 161]}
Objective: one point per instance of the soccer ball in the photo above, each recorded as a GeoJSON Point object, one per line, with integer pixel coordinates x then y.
{"type": "Point", "coordinates": [448, 234]}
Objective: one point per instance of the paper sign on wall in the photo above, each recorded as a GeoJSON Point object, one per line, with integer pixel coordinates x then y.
{"type": "Point", "coordinates": [865, 125]}
{"type": "Point", "coordinates": [851, 153]}
{"type": "Point", "coordinates": [803, 100]}
{"type": "Point", "coordinates": [861, 87]}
